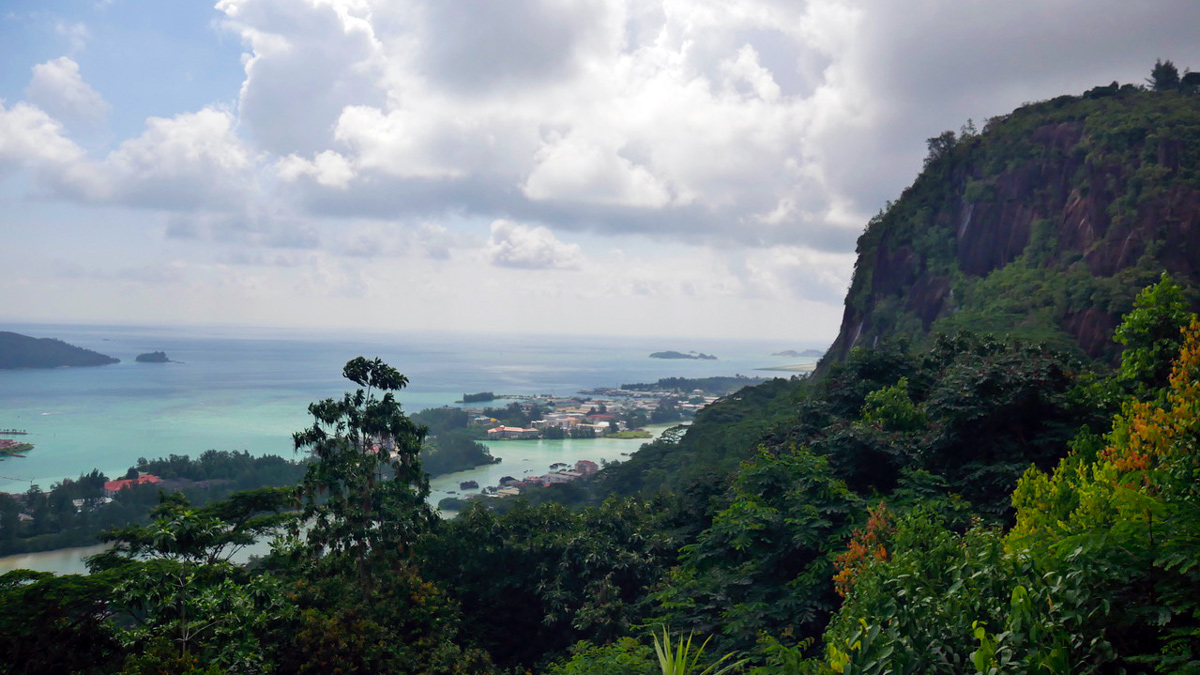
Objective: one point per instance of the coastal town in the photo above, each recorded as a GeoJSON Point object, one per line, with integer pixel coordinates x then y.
{"type": "Point", "coordinates": [591, 414]}
{"type": "Point", "coordinates": [560, 472]}
{"type": "Point", "coordinates": [606, 412]}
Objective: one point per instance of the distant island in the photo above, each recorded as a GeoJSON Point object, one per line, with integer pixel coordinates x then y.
{"type": "Point", "coordinates": [695, 356]}
{"type": "Point", "coordinates": [153, 357]}
{"type": "Point", "coordinates": [792, 353]}
{"type": "Point", "coordinates": [22, 351]}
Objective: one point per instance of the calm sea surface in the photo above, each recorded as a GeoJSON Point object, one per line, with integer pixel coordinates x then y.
{"type": "Point", "coordinates": [248, 389]}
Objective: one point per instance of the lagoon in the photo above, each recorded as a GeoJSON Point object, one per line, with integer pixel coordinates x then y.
{"type": "Point", "coordinates": [520, 459]}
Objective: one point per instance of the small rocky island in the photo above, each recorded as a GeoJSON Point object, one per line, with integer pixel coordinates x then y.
{"type": "Point", "coordinates": [694, 356]}
{"type": "Point", "coordinates": [22, 351]}
{"type": "Point", "coordinates": [153, 357]}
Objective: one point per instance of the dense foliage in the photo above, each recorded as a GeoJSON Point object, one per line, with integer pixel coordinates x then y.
{"type": "Point", "coordinates": [75, 512]}
{"type": "Point", "coordinates": [451, 444]}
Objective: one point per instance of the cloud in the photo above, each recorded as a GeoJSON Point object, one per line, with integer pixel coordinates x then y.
{"type": "Point", "coordinates": [32, 139]}
{"type": "Point", "coordinates": [192, 161]}
{"type": "Point", "coordinates": [76, 34]}
{"type": "Point", "coordinates": [328, 168]}
{"type": "Point", "coordinates": [573, 169]}
{"type": "Point", "coordinates": [524, 247]}
{"type": "Point", "coordinates": [733, 149]}
{"type": "Point", "coordinates": [470, 46]}
{"type": "Point", "coordinates": [755, 123]}
{"type": "Point", "coordinates": [309, 60]}
{"type": "Point", "coordinates": [247, 228]}
{"type": "Point", "coordinates": [58, 89]}
{"type": "Point", "coordinates": [395, 240]}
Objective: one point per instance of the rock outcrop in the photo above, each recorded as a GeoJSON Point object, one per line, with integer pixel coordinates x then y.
{"type": "Point", "coordinates": [1045, 225]}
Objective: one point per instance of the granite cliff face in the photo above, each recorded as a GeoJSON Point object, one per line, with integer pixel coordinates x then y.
{"type": "Point", "coordinates": [1044, 226]}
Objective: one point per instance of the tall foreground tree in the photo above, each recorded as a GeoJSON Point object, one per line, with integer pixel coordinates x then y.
{"type": "Point", "coordinates": [364, 495]}
{"type": "Point", "coordinates": [1153, 334]}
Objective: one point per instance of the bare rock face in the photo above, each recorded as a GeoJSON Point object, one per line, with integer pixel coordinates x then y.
{"type": "Point", "coordinates": [1057, 213]}
{"type": "Point", "coordinates": [928, 298]}
{"type": "Point", "coordinates": [1093, 329]}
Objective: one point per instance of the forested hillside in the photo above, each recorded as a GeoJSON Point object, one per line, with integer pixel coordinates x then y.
{"type": "Point", "coordinates": [971, 484]}
{"type": "Point", "coordinates": [22, 351]}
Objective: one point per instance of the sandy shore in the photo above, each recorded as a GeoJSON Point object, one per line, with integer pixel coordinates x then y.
{"type": "Point", "coordinates": [798, 368]}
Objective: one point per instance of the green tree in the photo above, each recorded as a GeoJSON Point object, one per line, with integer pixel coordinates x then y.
{"type": "Point", "coordinates": [892, 409]}
{"type": "Point", "coordinates": [1152, 335]}
{"type": "Point", "coordinates": [548, 574]}
{"type": "Point", "coordinates": [206, 535]}
{"type": "Point", "coordinates": [765, 563]}
{"type": "Point", "coordinates": [364, 494]}
{"type": "Point", "coordinates": [184, 615]}
{"type": "Point", "coordinates": [939, 146]}
{"type": "Point", "coordinates": [1164, 76]}
{"type": "Point", "coordinates": [1126, 519]}
{"type": "Point", "coordinates": [626, 656]}
{"type": "Point", "coordinates": [57, 624]}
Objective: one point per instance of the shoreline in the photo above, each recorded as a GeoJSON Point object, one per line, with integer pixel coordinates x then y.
{"type": "Point", "coordinates": [69, 560]}
{"type": "Point", "coordinates": [798, 368]}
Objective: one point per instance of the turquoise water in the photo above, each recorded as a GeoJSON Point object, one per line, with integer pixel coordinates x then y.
{"type": "Point", "coordinates": [242, 389]}
{"type": "Point", "coordinates": [520, 460]}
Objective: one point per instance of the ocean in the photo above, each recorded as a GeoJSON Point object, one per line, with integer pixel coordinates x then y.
{"type": "Point", "coordinates": [248, 389]}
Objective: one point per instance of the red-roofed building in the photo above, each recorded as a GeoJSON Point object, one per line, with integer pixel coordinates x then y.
{"type": "Point", "coordinates": [115, 486]}
{"type": "Point", "coordinates": [502, 433]}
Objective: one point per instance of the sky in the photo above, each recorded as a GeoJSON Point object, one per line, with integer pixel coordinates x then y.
{"type": "Point", "coordinates": [629, 167]}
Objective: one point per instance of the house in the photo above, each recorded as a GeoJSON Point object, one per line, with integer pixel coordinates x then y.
{"type": "Point", "coordinates": [89, 504]}
{"type": "Point", "coordinates": [586, 467]}
{"type": "Point", "coordinates": [114, 486]}
{"type": "Point", "coordinates": [508, 433]}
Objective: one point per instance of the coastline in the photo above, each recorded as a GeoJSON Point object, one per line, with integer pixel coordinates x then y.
{"type": "Point", "coordinates": [523, 457]}
{"type": "Point", "coordinates": [798, 368]}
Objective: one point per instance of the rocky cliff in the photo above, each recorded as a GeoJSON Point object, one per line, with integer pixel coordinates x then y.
{"type": "Point", "coordinates": [1045, 225]}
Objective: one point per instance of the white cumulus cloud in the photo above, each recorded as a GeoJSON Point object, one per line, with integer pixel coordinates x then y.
{"type": "Point", "coordinates": [521, 246]}
{"type": "Point", "coordinates": [190, 161]}
{"type": "Point", "coordinates": [59, 89]}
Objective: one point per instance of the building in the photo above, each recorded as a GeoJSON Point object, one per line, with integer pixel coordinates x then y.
{"type": "Point", "coordinates": [586, 467]}
{"type": "Point", "coordinates": [114, 486]}
{"type": "Point", "coordinates": [511, 433]}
